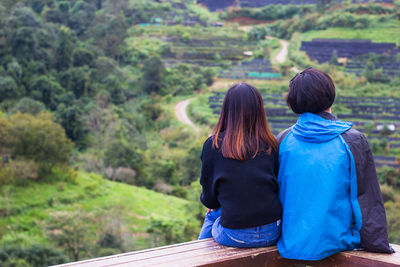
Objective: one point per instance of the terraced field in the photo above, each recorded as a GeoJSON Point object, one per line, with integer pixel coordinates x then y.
{"type": "Point", "coordinates": [227, 50]}
{"type": "Point", "coordinates": [378, 118]}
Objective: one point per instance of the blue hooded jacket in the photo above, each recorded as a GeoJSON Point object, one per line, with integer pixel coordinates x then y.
{"type": "Point", "coordinates": [318, 190]}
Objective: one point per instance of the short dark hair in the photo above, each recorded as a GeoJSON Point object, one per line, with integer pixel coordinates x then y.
{"type": "Point", "coordinates": [311, 90]}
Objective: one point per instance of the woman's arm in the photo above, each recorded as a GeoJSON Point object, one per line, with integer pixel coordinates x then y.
{"type": "Point", "coordinates": [209, 194]}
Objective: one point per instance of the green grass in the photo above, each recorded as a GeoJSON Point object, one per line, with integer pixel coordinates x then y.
{"type": "Point", "coordinates": [27, 210]}
{"type": "Point", "coordinates": [381, 32]}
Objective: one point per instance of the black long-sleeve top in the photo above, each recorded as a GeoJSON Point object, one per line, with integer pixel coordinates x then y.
{"type": "Point", "coordinates": [246, 191]}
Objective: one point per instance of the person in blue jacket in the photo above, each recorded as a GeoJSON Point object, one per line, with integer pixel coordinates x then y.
{"type": "Point", "coordinates": [328, 185]}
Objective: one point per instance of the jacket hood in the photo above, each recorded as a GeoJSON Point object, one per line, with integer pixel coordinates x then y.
{"type": "Point", "coordinates": [315, 129]}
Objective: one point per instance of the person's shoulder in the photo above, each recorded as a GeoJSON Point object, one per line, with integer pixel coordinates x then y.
{"type": "Point", "coordinates": [282, 135]}
{"type": "Point", "coordinates": [354, 136]}
{"type": "Point", "coordinates": [208, 143]}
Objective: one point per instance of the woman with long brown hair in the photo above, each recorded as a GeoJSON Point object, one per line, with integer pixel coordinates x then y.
{"type": "Point", "coordinates": [239, 174]}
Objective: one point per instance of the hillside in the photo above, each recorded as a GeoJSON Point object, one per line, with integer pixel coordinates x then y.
{"type": "Point", "coordinates": [128, 217]}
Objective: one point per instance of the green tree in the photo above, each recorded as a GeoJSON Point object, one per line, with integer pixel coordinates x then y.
{"type": "Point", "coordinates": [8, 88]}
{"type": "Point", "coordinates": [192, 164]}
{"type": "Point", "coordinates": [47, 90]}
{"type": "Point", "coordinates": [64, 6]}
{"type": "Point", "coordinates": [81, 16]}
{"type": "Point", "coordinates": [113, 86]}
{"type": "Point", "coordinates": [37, 5]}
{"type": "Point", "coordinates": [77, 80]}
{"type": "Point", "coordinates": [70, 117]}
{"type": "Point", "coordinates": [153, 75]}
{"type": "Point", "coordinates": [82, 56]}
{"type": "Point", "coordinates": [322, 5]}
{"type": "Point", "coordinates": [55, 15]}
{"type": "Point", "coordinates": [23, 43]}
{"type": "Point", "coordinates": [28, 105]}
{"type": "Point", "coordinates": [334, 58]}
{"type": "Point", "coordinates": [123, 154]}
{"type": "Point", "coordinates": [64, 49]}
{"type": "Point", "coordinates": [151, 110]}
{"type": "Point", "coordinates": [116, 33]}
{"type": "Point", "coordinates": [14, 69]}
{"type": "Point", "coordinates": [186, 37]}
{"type": "Point", "coordinates": [195, 207]}
{"type": "Point", "coordinates": [369, 71]}
{"type": "Point", "coordinates": [40, 139]}
{"type": "Point", "coordinates": [208, 74]}
{"type": "Point", "coordinates": [70, 231]}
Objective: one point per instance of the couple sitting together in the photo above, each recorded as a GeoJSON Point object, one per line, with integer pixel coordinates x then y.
{"type": "Point", "coordinates": [313, 191]}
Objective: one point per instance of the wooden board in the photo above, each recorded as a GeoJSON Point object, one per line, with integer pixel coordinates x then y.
{"type": "Point", "coordinates": [208, 253]}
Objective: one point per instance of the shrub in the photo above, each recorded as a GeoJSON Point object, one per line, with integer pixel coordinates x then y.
{"type": "Point", "coordinates": [15, 263]}
{"type": "Point", "coordinates": [70, 230]}
{"type": "Point", "coordinates": [186, 37]}
{"type": "Point", "coordinates": [163, 187]}
{"type": "Point", "coordinates": [388, 193]}
{"type": "Point", "coordinates": [91, 163]}
{"type": "Point", "coordinates": [62, 173]}
{"type": "Point", "coordinates": [24, 170]}
{"type": "Point", "coordinates": [6, 174]}
{"type": "Point", "coordinates": [121, 174]}
{"type": "Point", "coordinates": [393, 221]}
{"type": "Point", "coordinates": [122, 154]}
{"type": "Point", "coordinates": [370, 9]}
{"type": "Point", "coordinates": [35, 255]}
{"type": "Point", "coordinates": [111, 240]}
{"type": "Point", "coordinates": [389, 175]}
{"type": "Point", "coordinates": [39, 139]}
{"type": "Point", "coordinates": [5, 137]}
{"type": "Point", "coordinates": [179, 191]}
{"type": "Point", "coordinates": [21, 239]}
{"type": "Point", "coordinates": [164, 231]}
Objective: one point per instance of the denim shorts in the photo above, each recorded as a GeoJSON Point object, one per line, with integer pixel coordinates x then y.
{"type": "Point", "coordinates": [259, 236]}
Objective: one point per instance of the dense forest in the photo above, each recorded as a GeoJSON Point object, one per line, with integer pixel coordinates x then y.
{"type": "Point", "coordinates": [93, 161]}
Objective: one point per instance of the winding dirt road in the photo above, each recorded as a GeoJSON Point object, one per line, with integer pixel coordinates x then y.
{"type": "Point", "coordinates": [180, 108]}
{"type": "Point", "coordinates": [181, 115]}
{"type": "Point", "coordinates": [281, 56]}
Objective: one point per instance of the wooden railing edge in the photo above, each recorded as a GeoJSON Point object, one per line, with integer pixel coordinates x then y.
{"type": "Point", "coordinates": [208, 253]}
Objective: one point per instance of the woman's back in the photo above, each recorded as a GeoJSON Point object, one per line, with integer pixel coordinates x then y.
{"type": "Point", "coordinates": [246, 191]}
{"type": "Point", "coordinates": [239, 169]}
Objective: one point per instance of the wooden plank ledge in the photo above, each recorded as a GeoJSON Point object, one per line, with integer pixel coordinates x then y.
{"type": "Point", "coordinates": [209, 253]}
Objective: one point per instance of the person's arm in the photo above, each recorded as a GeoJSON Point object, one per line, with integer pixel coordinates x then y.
{"type": "Point", "coordinates": [276, 163]}
{"type": "Point", "coordinates": [373, 231]}
{"type": "Point", "coordinates": [208, 196]}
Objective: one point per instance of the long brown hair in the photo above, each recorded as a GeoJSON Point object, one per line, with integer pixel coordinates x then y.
{"type": "Point", "coordinates": [243, 123]}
